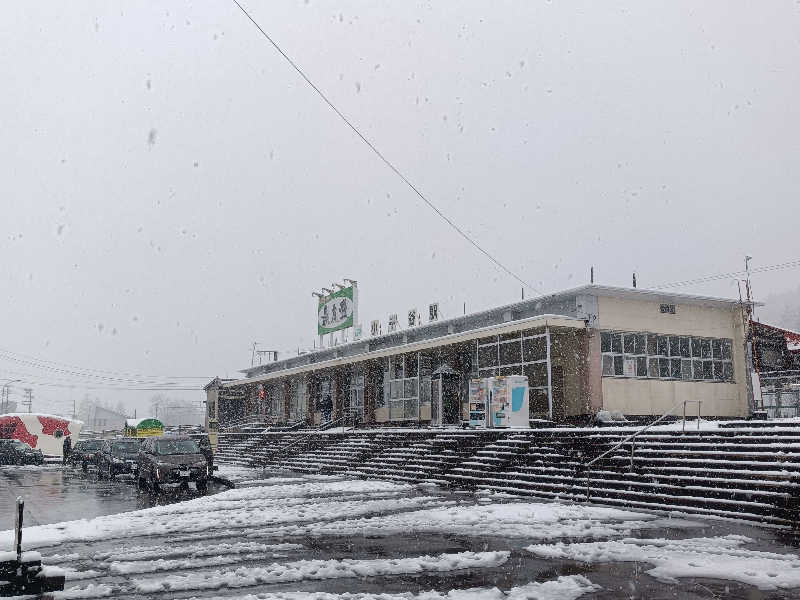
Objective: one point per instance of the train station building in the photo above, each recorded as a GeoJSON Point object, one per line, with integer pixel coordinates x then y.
{"type": "Point", "coordinates": [583, 350]}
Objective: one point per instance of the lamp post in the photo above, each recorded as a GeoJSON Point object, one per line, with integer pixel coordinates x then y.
{"type": "Point", "coordinates": [4, 395]}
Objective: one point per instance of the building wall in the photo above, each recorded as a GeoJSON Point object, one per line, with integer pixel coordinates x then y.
{"type": "Point", "coordinates": [653, 396]}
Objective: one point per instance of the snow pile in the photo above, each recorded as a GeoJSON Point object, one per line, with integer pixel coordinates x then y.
{"type": "Point", "coordinates": [141, 553]}
{"type": "Point", "coordinates": [237, 509]}
{"type": "Point", "coordinates": [519, 520]}
{"type": "Point", "coordinates": [568, 587]}
{"type": "Point", "coordinates": [305, 570]}
{"type": "Point", "coordinates": [715, 558]}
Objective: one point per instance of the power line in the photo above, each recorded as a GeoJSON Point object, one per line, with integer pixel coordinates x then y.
{"type": "Point", "coordinates": [792, 264]}
{"type": "Point", "coordinates": [92, 374]}
{"type": "Point", "coordinates": [28, 359]}
{"type": "Point", "coordinates": [385, 160]}
{"type": "Point", "coordinates": [80, 386]}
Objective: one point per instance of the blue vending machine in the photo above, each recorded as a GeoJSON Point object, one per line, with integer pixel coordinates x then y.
{"type": "Point", "coordinates": [508, 401]}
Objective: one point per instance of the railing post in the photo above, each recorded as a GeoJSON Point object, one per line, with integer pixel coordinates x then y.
{"type": "Point", "coordinates": [699, 402]}
{"type": "Point", "coordinates": [633, 445]}
{"type": "Point", "coordinates": [684, 415]}
{"type": "Point", "coordinates": [18, 528]}
{"type": "Point", "coordinates": [587, 485]}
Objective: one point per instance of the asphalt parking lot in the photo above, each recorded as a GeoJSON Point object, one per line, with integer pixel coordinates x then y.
{"type": "Point", "coordinates": [54, 493]}
{"type": "Point", "coordinates": [259, 537]}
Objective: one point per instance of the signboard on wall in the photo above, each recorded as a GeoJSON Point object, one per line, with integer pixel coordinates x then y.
{"type": "Point", "coordinates": [629, 367]}
{"type": "Point", "coordinates": [335, 311]}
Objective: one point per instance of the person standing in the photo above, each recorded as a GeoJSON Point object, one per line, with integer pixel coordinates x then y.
{"type": "Point", "coordinates": [67, 448]}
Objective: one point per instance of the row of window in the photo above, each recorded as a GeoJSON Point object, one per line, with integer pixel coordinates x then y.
{"type": "Point", "coordinates": [513, 352]}
{"type": "Point", "coordinates": [536, 373]}
{"type": "Point", "coordinates": [649, 344]}
{"type": "Point", "coordinates": [636, 354]}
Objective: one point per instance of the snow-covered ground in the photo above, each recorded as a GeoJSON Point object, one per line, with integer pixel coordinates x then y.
{"type": "Point", "coordinates": [719, 557]}
{"type": "Point", "coordinates": [333, 538]}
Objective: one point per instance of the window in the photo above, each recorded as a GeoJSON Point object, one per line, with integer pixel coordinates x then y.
{"type": "Point", "coordinates": [608, 364]}
{"type": "Point", "coordinates": [637, 354]}
{"type": "Point", "coordinates": [618, 365]}
{"type": "Point", "coordinates": [629, 343]}
{"type": "Point", "coordinates": [537, 374]}
{"type": "Point", "coordinates": [727, 371]}
{"type": "Point", "coordinates": [664, 368]}
{"type": "Point", "coordinates": [510, 353]}
{"type": "Point", "coordinates": [675, 366]}
{"type": "Point", "coordinates": [515, 370]}
{"type": "Point", "coordinates": [697, 369]}
{"type": "Point", "coordinates": [487, 356]}
{"type": "Point", "coordinates": [605, 342]}
{"type": "Point", "coordinates": [686, 369]}
{"type": "Point", "coordinates": [536, 348]}
{"type": "Point", "coordinates": [641, 366]}
{"type": "Point", "coordinates": [652, 367]}
{"type": "Point", "coordinates": [663, 345]}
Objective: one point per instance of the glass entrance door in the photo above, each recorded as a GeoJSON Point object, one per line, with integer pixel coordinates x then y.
{"type": "Point", "coordinates": [436, 402]}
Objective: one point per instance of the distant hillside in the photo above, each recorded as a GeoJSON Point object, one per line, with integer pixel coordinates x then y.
{"type": "Point", "coordinates": [781, 309]}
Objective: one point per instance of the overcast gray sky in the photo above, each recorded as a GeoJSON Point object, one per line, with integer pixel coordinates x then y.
{"type": "Point", "coordinates": [173, 191]}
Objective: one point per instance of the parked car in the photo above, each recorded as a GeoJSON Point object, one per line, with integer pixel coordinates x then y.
{"type": "Point", "coordinates": [15, 452]}
{"type": "Point", "coordinates": [117, 457]}
{"type": "Point", "coordinates": [172, 462]}
{"type": "Point", "coordinates": [84, 453]}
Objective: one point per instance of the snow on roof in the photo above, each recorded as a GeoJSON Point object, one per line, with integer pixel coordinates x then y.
{"type": "Point", "coordinates": [137, 422]}
{"type": "Point", "coordinates": [46, 415]}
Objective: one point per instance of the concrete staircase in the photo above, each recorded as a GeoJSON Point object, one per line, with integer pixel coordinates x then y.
{"type": "Point", "coordinates": [743, 472]}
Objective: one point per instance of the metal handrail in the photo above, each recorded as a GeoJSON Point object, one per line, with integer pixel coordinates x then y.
{"type": "Point", "coordinates": [635, 434]}
{"type": "Point", "coordinates": [249, 420]}
{"type": "Point", "coordinates": [307, 436]}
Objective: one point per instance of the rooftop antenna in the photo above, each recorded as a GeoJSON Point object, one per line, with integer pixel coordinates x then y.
{"type": "Point", "coordinates": [253, 355]}
{"type": "Point", "coordinates": [634, 279]}
{"type": "Point", "coordinates": [591, 274]}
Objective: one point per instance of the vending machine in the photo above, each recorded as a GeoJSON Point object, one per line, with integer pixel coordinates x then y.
{"type": "Point", "coordinates": [477, 402]}
{"type": "Point", "coordinates": [509, 401]}
{"type": "Point", "coordinates": [499, 402]}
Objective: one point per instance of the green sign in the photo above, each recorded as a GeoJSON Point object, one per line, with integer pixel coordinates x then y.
{"type": "Point", "coordinates": [335, 312]}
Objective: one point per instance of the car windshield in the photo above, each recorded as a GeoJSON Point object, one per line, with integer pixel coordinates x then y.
{"type": "Point", "coordinates": [20, 445]}
{"type": "Point", "coordinates": [122, 448]}
{"type": "Point", "coordinates": [164, 447]}
{"type": "Point", "coordinates": [91, 445]}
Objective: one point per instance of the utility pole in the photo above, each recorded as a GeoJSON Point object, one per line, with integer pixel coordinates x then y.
{"type": "Point", "coordinates": [29, 400]}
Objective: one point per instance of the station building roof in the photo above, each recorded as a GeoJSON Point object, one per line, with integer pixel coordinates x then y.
{"type": "Point", "coordinates": [574, 308]}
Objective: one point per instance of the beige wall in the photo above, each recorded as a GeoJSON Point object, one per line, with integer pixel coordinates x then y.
{"type": "Point", "coordinates": [651, 396]}
{"type": "Point", "coordinates": [654, 397]}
